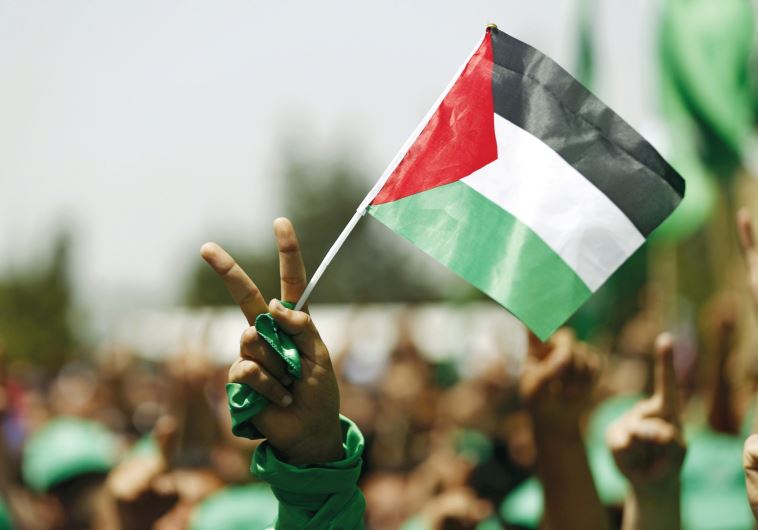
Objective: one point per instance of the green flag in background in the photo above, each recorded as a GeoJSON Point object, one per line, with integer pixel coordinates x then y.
{"type": "Point", "coordinates": [585, 57]}
{"type": "Point", "coordinates": [705, 50]}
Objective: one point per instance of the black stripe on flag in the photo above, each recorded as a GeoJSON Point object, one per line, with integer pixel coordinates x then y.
{"type": "Point", "coordinates": [535, 93]}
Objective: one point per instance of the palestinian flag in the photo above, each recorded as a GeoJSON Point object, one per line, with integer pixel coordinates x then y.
{"type": "Point", "coordinates": [524, 183]}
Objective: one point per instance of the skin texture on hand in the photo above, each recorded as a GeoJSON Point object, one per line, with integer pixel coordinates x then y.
{"type": "Point", "coordinates": [556, 386]}
{"type": "Point", "coordinates": [301, 422]}
{"type": "Point", "coordinates": [749, 251]}
{"type": "Point", "coordinates": [750, 463]}
{"type": "Point", "coordinates": [648, 446]}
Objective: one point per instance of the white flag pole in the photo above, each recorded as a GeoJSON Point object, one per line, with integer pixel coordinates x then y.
{"type": "Point", "coordinates": [363, 207]}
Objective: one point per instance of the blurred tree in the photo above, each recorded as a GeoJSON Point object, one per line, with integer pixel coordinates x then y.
{"type": "Point", "coordinates": [35, 309]}
{"type": "Point", "coordinates": [320, 196]}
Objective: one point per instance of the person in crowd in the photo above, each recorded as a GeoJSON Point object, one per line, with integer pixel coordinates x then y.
{"type": "Point", "coordinates": [648, 446]}
{"type": "Point", "coordinates": [556, 387]}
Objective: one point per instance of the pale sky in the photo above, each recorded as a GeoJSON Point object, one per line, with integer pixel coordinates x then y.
{"type": "Point", "coordinates": [152, 125]}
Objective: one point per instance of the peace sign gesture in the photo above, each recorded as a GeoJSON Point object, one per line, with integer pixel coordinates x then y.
{"type": "Point", "coordinates": [302, 419]}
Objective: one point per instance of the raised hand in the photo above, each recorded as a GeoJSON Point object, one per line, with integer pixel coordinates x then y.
{"type": "Point", "coordinates": [749, 251]}
{"type": "Point", "coordinates": [556, 387]}
{"type": "Point", "coordinates": [558, 381]}
{"type": "Point", "coordinates": [648, 446]}
{"type": "Point", "coordinates": [301, 422]}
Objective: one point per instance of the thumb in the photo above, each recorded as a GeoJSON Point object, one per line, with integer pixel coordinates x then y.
{"type": "Point", "coordinates": [666, 387]}
{"type": "Point", "coordinates": [299, 326]}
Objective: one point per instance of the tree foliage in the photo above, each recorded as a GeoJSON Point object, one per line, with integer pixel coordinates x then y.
{"type": "Point", "coordinates": [35, 309]}
{"type": "Point", "coordinates": [320, 196]}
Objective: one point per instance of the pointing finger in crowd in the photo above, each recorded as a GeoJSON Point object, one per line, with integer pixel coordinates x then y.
{"type": "Point", "coordinates": [666, 388]}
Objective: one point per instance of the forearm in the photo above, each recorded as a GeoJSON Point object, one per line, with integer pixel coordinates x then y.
{"type": "Point", "coordinates": [317, 497]}
{"type": "Point", "coordinates": [721, 414]}
{"type": "Point", "coordinates": [571, 499]}
{"type": "Point", "coordinates": [658, 510]}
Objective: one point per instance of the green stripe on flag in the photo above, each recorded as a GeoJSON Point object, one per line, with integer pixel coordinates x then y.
{"type": "Point", "coordinates": [492, 250]}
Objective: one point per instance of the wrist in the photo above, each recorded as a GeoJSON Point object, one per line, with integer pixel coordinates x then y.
{"type": "Point", "coordinates": [552, 429]}
{"type": "Point", "coordinates": [656, 507]}
{"type": "Point", "coordinates": [663, 492]}
{"type": "Point", "coordinates": [319, 447]}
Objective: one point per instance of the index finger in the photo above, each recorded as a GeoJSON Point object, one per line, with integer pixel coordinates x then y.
{"type": "Point", "coordinates": [666, 387]}
{"type": "Point", "coordinates": [291, 266]}
{"type": "Point", "coordinates": [239, 284]}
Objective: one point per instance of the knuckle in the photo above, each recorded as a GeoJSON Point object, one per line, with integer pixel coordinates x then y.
{"type": "Point", "coordinates": [251, 370]}
{"type": "Point", "coordinates": [289, 245]}
{"type": "Point", "coordinates": [292, 280]}
{"type": "Point", "coordinates": [248, 337]}
{"type": "Point", "coordinates": [249, 296]}
{"type": "Point", "coordinates": [229, 268]}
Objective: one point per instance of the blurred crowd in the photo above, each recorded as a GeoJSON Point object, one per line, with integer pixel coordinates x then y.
{"type": "Point", "coordinates": [568, 436]}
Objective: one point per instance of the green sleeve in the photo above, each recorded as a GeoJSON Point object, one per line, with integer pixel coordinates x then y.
{"type": "Point", "coordinates": [316, 497]}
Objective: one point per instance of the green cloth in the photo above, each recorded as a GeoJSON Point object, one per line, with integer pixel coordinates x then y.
{"type": "Point", "coordinates": [244, 402]}
{"type": "Point", "coordinates": [316, 497]}
{"type": "Point", "coordinates": [279, 341]}
{"type": "Point", "coordinates": [64, 448]}
{"type": "Point", "coordinates": [248, 507]}
{"type": "Point", "coordinates": [705, 49]}
{"type": "Point", "coordinates": [5, 517]}
{"type": "Point", "coordinates": [585, 61]}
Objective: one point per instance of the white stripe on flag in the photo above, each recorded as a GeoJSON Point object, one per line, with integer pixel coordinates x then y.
{"type": "Point", "coordinates": [532, 182]}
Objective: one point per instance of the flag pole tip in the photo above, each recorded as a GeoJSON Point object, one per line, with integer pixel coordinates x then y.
{"type": "Point", "coordinates": [491, 26]}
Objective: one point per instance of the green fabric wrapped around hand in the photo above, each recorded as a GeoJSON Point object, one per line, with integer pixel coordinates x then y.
{"type": "Point", "coordinates": [244, 402]}
{"type": "Point", "coordinates": [320, 496]}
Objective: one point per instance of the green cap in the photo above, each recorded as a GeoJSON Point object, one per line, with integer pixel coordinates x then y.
{"type": "Point", "coordinates": [249, 507]}
{"type": "Point", "coordinates": [64, 448]}
{"type": "Point", "coordinates": [713, 483]}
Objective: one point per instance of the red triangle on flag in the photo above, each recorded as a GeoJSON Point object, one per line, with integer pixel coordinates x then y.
{"type": "Point", "coordinates": [458, 139]}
